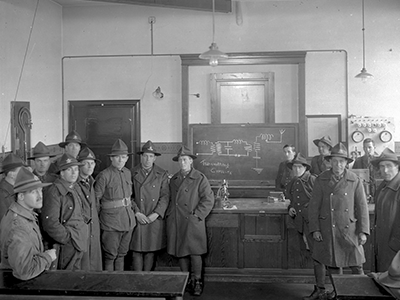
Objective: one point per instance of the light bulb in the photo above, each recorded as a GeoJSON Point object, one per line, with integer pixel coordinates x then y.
{"type": "Point", "coordinates": [213, 61]}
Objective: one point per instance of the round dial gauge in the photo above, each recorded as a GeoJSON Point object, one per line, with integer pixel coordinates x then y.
{"type": "Point", "coordinates": [385, 136]}
{"type": "Point", "coordinates": [357, 136]}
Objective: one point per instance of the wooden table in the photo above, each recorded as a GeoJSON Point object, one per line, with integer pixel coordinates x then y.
{"type": "Point", "coordinates": [96, 285]}
{"type": "Point", "coordinates": [358, 287]}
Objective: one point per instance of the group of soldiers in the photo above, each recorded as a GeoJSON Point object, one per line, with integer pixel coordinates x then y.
{"type": "Point", "coordinates": [91, 224]}
{"type": "Point", "coordinates": [329, 207]}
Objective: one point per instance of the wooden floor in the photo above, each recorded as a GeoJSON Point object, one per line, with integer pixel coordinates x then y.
{"type": "Point", "coordinates": [252, 291]}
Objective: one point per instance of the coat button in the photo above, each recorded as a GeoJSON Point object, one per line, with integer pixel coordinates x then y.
{"type": "Point", "coordinates": [346, 209]}
{"type": "Point", "coordinates": [333, 226]}
{"type": "Point", "coordinates": [70, 207]}
{"type": "Point", "coordinates": [333, 209]}
{"type": "Point", "coordinates": [345, 194]}
{"type": "Point", "coordinates": [347, 226]}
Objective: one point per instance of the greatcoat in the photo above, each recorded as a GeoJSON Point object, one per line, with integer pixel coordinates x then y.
{"type": "Point", "coordinates": [151, 195]}
{"type": "Point", "coordinates": [65, 223]}
{"type": "Point", "coordinates": [387, 222]}
{"type": "Point", "coordinates": [92, 259]}
{"type": "Point", "coordinates": [21, 244]}
{"type": "Point", "coordinates": [340, 213]}
{"type": "Point", "coordinates": [284, 176]}
{"type": "Point", "coordinates": [299, 193]}
{"type": "Point", "coordinates": [191, 201]}
{"type": "Point", "coordinates": [319, 164]}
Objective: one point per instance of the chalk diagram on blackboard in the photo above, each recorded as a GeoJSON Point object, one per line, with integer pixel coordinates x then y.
{"type": "Point", "coordinates": [240, 147]}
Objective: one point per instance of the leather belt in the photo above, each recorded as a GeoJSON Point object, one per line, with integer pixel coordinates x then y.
{"type": "Point", "coordinates": [116, 203]}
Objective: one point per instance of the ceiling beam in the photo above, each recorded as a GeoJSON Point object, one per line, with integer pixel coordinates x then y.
{"type": "Point", "coordinates": [224, 6]}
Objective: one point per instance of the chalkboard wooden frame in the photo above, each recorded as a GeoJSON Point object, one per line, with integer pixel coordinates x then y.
{"type": "Point", "coordinates": [247, 155]}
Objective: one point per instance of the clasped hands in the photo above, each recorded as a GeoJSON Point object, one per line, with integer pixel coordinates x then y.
{"type": "Point", "coordinates": [143, 219]}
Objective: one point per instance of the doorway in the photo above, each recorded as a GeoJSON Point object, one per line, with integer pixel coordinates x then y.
{"type": "Point", "coordinates": [101, 123]}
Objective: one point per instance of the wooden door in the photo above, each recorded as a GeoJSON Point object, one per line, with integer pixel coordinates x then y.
{"type": "Point", "coordinates": [101, 123]}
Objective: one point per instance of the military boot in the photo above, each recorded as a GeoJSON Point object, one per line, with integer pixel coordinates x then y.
{"type": "Point", "coordinates": [318, 293]}
{"type": "Point", "coordinates": [197, 287]}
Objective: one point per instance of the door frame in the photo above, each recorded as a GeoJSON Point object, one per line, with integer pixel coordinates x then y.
{"type": "Point", "coordinates": [135, 126]}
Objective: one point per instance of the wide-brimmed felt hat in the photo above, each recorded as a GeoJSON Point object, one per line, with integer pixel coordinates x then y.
{"type": "Point", "coordinates": [72, 137]}
{"type": "Point", "coordinates": [40, 150]}
{"type": "Point", "coordinates": [390, 279]}
{"type": "Point", "coordinates": [27, 181]}
{"type": "Point", "coordinates": [87, 153]}
{"type": "Point", "coordinates": [119, 148]}
{"type": "Point", "coordinates": [184, 151]}
{"type": "Point", "coordinates": [386, 155]}
{"type": "Point", "coordinates": [10, 162]}
{"type": "Point", "coordinates": [339, 150]}
{"type": "Point", "coordinates": [149, 148]}
{"type": "Point", "coordinates": [67, 161]}
{"type": "Point", "coordinates": [299, 159]}
{"type": "Point", "coordinates": [325, 139]}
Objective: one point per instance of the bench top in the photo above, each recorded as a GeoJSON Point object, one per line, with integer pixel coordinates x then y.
{"type": "Point", "coordinates": [83, 283]}
{"type": "Point", "coordinates": [358, 287]}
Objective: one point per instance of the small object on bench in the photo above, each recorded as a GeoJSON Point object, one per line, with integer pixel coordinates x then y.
{"type": "Point", "coordinates": [96, 285]}
{"type": "Point", "coordinates": [358, 287]}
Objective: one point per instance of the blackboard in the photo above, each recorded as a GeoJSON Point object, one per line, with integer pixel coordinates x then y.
{"type": "Point", "coordinates": [245, 155]}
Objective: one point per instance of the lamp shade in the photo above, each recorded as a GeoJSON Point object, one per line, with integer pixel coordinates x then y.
{"type": "Point", "coordinates": [213, 54]}
{"type": "Point", "coordinates": [364, 75]}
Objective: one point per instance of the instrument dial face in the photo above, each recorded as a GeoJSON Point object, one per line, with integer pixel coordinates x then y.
{"type": "Point", "coordinates": [385, 136]}
{"type": "Point", "coordinates": [357, 136]}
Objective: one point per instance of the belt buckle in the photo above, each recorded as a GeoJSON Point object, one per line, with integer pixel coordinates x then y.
{"type": "Point", "coordinates": [125, 202]}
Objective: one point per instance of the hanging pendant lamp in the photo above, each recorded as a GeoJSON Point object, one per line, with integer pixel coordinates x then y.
{"type": "Point", "coordinates": [363, 75]}
{"type": "Point", "coordinates": [213, 54]}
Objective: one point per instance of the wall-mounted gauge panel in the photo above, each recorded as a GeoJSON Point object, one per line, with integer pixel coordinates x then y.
{"type": "Point", "coordinates": [357, 136]}
{"type": "Point", "coordinates": [385, 136]}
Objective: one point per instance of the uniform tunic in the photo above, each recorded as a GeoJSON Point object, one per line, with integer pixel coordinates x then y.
{"type": "Point", "coordinates": [319, 164]}
{"type": "Point", "coordinates": [340, 212]}
{"type": "Point", "coordinates": [92, 259]}
{"type": "Point", "coordinates": [299, 193]}
{"type": "Point", "coordinates": [191, 201]}
{"type": "Point", "coordinates": [113, 184]}
{"type": "Point", "coordinates": [387, 222]}
{"type": "Point", "coordinates": [7, 196]}
{"type": "Point", "coordinates": [21, 244]}
{"type": "Point", "coordinates": [151, 196]}
{"type": "Point", "coordinates": [64, 221]}
{"type": "Point", "coordinates": [284, 176]}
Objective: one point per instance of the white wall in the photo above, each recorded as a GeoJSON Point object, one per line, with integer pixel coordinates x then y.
{"type": "Point", "coordinates": [30, 70]}
{"type": "Point", "coordinates": [267, 26]}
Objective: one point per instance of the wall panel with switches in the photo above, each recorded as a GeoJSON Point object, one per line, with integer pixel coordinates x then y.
{"type": "Point", "coordinates": [379, 129]}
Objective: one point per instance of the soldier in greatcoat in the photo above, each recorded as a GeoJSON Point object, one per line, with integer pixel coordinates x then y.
{"type": "Point", "coordinates": [92, 259]}
{"type": "Point", "coordinates": [41, 162]}
{"type": "Point", "coordinates": [339, 218]}
{"type": "Point", "coordinates": [318, 163]}
{"type": "Point", "coordinates": [191, 201]}
{"type": "Point", "coordinates": [151, 196]}
{"type": "Point", "coordinates": [64, 218]}
{"type": "Point", "coordinates": [387, 210]}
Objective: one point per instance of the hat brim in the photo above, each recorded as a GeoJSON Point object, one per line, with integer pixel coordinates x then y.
{"type": "Point", "coordinates": [11, 167]}
{"type": "Point", "coordinates": [64, 167]}
{"type": "Point", "coordinates": [155, 153]}
{"type": "Point", "coordinates": [89, 158]}
{"type": "Point", "coordinates": [349, 160]}
{"type": "Point", "coordinates": [119, 153]}
{"type": "Point", "coordinates": [42, 155]}
{"type": "Point", "coordinates": [290, 165]}
{"type": "Point", "coordinates": [63, 144]}
{"type": "Point", "coordinates": [384, 279]}
{"type": "Point", "coordinates": [323, 141]}
{"type": "Point", "coordinates": [375, 162]}
{"type": "Point", "coordinates": [31, 186]}
{"type": "Point", "coordinates": [176, 158]}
